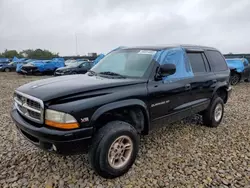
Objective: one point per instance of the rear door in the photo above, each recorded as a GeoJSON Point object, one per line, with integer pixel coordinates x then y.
{"type": "Point", "coordinates": [203, 82]}
{"type": "Point", "coordinates": [218, 66]}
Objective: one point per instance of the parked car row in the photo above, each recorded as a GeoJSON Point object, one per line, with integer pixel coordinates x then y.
{"type": "Point", "coordinates": [55, 66]}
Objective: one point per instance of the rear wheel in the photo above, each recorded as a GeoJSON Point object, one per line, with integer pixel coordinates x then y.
{"type": "Point", "coordinates": [7, 70]}
{"type": "Point", "coordinates": [212, 117]}
{"type": "Point", "coordinates": [247, 80]}
{"type": "Point", "coordinates": [114, 149]}
{"type": "Point", "coordinates": [234, 79]}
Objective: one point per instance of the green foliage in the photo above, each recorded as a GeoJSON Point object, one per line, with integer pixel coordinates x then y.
{"type": "Point", "coordinates": [30, 54]}
{"type": "Point", "coordinates": [39, 54]}
{"type": "Point", "coordinates": [10, 54]}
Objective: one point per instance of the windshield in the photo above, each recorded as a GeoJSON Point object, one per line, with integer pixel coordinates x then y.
{"type": "Point", "coordinates": [74, 64]}
{"type": "Point", "coordinates": [70, 61]}
{"type": "Point", "coordinates": [131, 63]}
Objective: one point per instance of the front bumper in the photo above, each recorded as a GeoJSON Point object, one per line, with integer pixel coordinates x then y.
{"type": "Point", "coordinates": [29, 70]}
{"type": "Point", "coordinates": [65, 142]}
{"type": "Point", "coordinates": [59, 74]}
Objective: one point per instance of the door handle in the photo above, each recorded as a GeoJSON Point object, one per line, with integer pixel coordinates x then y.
{"type": "Point", "coordinates": [187, 87]}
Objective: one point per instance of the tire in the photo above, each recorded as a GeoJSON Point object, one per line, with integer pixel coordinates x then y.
{"type": "Point", "coordinates": [7, 70]}
{"type": "Point", "coordinates": [234, 79]}
{"type": "Point", "coordinates": [99, 153]}
{"type": "Point", "coordinates": [216, 107]}
{"type": "Point", "coordinates": [247, 80]}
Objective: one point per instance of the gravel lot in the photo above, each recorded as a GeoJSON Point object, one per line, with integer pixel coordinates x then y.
{"type": "Point", "coordinates": [184, 154]}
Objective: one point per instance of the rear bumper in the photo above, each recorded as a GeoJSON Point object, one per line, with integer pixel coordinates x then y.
{"type": "Point", "coordinates": [65, 142]}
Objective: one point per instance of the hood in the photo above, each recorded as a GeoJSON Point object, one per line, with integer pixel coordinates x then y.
{"type": "Point", "coordinates": [236, 64]}
{"type": "Point", "coordinates": [66, 68]}
{"type": "Point", "coordinates": [34, 64]}
{"type": "Point", "coordinates": [51, 88]}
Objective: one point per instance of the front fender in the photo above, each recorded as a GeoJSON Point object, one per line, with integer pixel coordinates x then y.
{"type": "Point", "coordinates": [120, 104]}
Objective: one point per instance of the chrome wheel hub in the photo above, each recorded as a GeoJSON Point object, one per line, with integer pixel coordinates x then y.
{"type": "Point", "coordinates": [120, 152]}
{"type": "Point", "coordinates": [218, 112]}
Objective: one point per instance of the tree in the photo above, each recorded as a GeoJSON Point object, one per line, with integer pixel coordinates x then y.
{"type": "Point", "coordinates": [39, 54]}
{"type": "Point", "coordinates": [10, 54]}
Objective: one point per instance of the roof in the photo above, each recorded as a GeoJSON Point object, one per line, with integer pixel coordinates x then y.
{"type": "Point", "coordinates": [187, 47]}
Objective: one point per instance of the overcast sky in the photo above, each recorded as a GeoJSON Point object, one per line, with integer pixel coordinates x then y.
{"type": "Point", "coordinates": [101, 25]}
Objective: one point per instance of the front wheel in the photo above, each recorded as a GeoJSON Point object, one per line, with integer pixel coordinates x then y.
{"type": "Point", "coordinates": [7, 70]}
{"type": "Point", "coordinates": [212, 117]}
{"type": "Point", "coordinates": [234, 79]}
{"type": "Point", "coordinates": [114, 149]}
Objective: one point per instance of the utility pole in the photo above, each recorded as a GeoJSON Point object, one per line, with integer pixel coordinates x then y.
{"type": "Point", "coordinates": [76, 44]}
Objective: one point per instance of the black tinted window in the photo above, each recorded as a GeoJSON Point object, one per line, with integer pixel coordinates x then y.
{"type": "Point", "coordinates": [197, 62]}
{"type": "Point", "coordinates": [217, 61]}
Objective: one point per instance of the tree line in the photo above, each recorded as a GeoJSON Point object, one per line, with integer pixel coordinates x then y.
{"type": "Point", "coordinates": [30, 54]}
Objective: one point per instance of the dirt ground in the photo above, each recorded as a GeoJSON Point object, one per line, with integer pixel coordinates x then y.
{"type": "Point", "coordinates": [184, 154]}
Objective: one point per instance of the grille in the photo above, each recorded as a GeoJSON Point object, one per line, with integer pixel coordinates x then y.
{"type": "Point", "coordinates": [30, 107]}
{"type": "Point", "coordinates": [29, 68]}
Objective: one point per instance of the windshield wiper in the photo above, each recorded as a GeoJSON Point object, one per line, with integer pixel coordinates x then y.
{"type": "Point", "coordinates": [111, 74]}
{"type": "Point", "coordinates": [92, 73]}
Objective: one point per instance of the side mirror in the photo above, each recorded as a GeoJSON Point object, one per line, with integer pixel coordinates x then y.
{"type": "Point", "coordinates": [165, 70]}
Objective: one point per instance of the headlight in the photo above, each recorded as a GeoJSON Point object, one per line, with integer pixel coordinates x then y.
{"type": "Point", "coordinates": [60, 120]}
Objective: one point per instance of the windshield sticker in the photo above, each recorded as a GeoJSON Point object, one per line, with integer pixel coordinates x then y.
{"type": "Point", "coordinates": [147, 52]}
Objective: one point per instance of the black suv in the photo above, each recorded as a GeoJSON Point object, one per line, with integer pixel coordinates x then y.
{"type": "Point", "coordinates": [104, 111]}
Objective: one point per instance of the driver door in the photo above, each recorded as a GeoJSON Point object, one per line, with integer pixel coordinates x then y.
{"type": "Point", "coordinates": [169, 99]}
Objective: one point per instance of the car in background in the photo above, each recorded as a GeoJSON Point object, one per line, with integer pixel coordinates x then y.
{"type": "Point", "coordinates": [8, 67]}
{"type": "Point", "coordinates": [70, 61]}
{"type": "Point", "coordinates": [19, 65]}
{"type": "Point", "coordinates": [77, 67]}
{"type": "Point", "coordinates": [4, 61]}
{"type": "Point", "coordinates": [240, 70]}
{"type": "Point", "coordinates": [43, 66]}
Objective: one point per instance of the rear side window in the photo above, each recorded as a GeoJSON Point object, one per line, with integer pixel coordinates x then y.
{"type": "Point", "coordinates": [197, 62]}
{"type": "Point", "coordinates": [217, 61]}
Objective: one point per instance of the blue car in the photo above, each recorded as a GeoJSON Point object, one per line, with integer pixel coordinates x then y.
{"type": "Point", "coordinates": [240, 70]}
{"type": "Point", "coordinates": [7, 67]}
{"type": "Point", "coordinates": [43, 66]}
{"type": "Point", "coordinates": [20, 64]}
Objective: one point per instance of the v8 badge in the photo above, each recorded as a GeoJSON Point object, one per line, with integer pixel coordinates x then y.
{"type": "Point", "coordinates": [84, 120]}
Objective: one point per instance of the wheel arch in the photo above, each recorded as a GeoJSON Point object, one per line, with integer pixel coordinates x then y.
{"type": "Point", "coordinates": [130, 105]}
{"type": "Point", "coordinates": [222, 91]}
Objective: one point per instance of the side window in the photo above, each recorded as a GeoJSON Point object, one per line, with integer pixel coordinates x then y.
{"type": "Point", "coordinates": [197, 62]}
{"type": "Point", "coordinates": [206, 63]}
{"type": "Point", "coordinates": [217, 61]}
{"type": "Point", "coordinates": [84, 65]}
